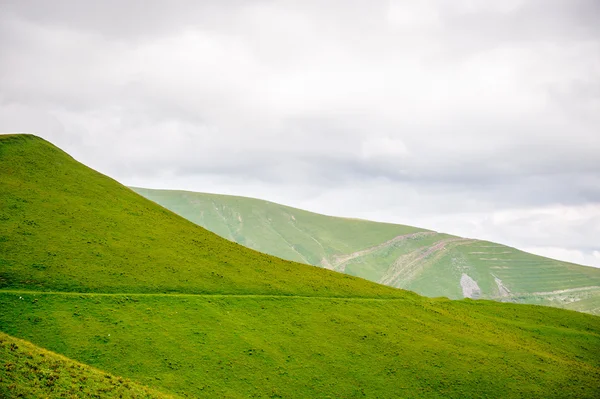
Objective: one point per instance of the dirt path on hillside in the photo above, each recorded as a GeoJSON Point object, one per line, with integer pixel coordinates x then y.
{"type": "Point", "coordinates": [339, 261]}
{"type": "Point", "coordinates": [23, 294]}
{"type": "Point", "coordinates": [408, 266]}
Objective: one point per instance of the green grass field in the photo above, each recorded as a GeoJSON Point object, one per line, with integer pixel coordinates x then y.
{"type": "Point", "coordinates": [29, 371]}
{"type": "Point", "coordinates": [240, 347]}
{"type": "Point", "coordinates": [419, 260]}
{"type": "Point", "coordinates": [94, 272]}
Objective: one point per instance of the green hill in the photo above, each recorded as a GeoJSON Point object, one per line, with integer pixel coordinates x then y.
{"type": "Point", "coordinates": [28, 371]}
{"type": "Point", "coordinates": [65, 227]}
{"type": "Point", "coordinates": [429, 263]}
{"type": "Point", "coordinates": [93, 271]}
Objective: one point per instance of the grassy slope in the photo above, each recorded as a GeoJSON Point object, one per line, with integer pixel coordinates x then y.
{"type": "Point", "coordinates": [28, 371]}
{"type": "Point", "coordinates": [246, 336]}
{"type": "Point", "coordinates": [66, 227]}
{"type": "Point", "coordinates": [239, 347]}
{"type": "Point", "coordinates": [430, 264]}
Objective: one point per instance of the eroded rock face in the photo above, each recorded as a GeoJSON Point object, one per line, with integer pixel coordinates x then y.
{"type": "Point", "coordinates": [503, 291]}
{"type": "Point", "coordinates": [469, 287]}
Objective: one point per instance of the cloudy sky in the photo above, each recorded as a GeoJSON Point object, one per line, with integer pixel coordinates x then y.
{"type": "Point", "coordinates": [474, 117]}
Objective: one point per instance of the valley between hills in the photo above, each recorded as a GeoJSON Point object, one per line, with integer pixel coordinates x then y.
{"type": "Point", "coordinates": [104, 293]}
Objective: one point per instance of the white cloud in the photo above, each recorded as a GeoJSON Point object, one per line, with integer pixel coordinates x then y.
{"type": "Point", "coordinates": [471, 117]}
{"type": "Point", "coordinates": [383, 147]}
{"type": "Point", "coordinates": [409, 14]}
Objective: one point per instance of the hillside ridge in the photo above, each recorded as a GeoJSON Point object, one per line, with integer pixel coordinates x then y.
{"type": "Point", "coordinates": [66, 227]}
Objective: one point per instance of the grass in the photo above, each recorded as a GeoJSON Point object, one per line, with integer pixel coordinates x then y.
{"type": "Point", "coordinates": [240, 347]}
{"type": "Point", "coordinates": [96, 273]}
{"type": "Point", "coordinates": [324, 241]}
{"type": "Point", "coordinates": [65, 227]}
{"type": "Point", "coordinates": [28, 371]}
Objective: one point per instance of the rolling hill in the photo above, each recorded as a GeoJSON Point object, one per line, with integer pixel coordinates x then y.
{"type": "Point", "coordinates": [424, 261]}
{"type": "Point", "coordinates": [94, 272]}
{"type": "Point", "coordinates": [29, 371]}
{"type": "Point", "coordinates": [64, 227]}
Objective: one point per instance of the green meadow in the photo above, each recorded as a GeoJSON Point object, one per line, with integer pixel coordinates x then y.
{"type": "Point", "coordinates": [29, 371]}
{"type": "Point", "coordinates": [142, 302]}
{"type": "Point", "coordinates": [273, 346]}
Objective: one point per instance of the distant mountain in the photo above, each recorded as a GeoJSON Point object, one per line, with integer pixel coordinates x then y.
{"type": "Point", "coordinates": [424, 261]}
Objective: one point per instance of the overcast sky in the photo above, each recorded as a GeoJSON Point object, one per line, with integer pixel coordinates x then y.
{"type": "Point", "coordinates": [473, 117]}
